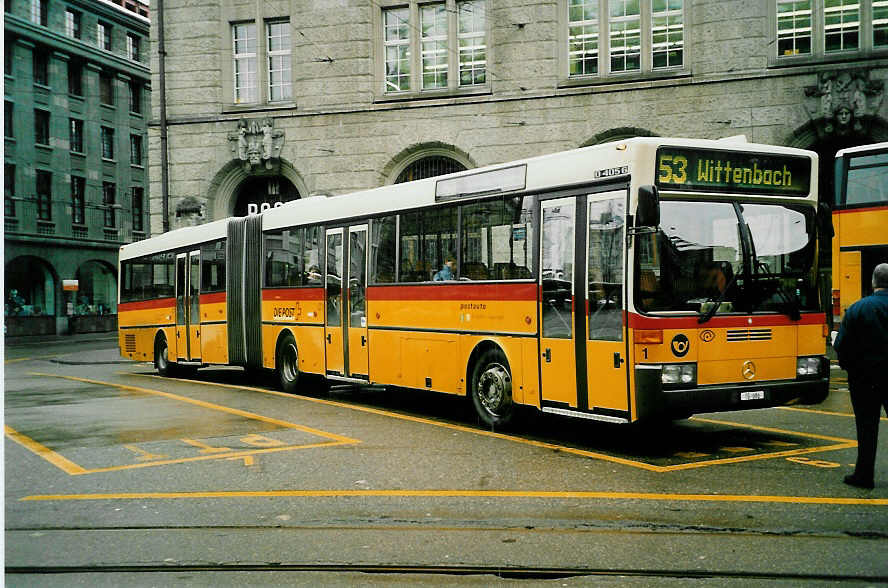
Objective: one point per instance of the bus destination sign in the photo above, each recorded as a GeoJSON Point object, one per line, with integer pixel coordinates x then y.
{"type": "Point", "coordinates": [683, 168]}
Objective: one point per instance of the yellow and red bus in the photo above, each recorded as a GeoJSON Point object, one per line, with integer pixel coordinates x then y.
{"type": "Point", "coordinates": [860, 217]}
{"type": "Point", "coordinates": [640, 279]}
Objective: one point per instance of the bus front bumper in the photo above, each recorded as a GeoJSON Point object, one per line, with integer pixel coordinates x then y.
{"type": "Point", "coordinates": [654, 401]}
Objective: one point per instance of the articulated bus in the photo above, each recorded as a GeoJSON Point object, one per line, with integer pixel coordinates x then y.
{"type": "Point", "coordinates": [860, 217]}
{"type": "Point", "coordinates": [622, 282]}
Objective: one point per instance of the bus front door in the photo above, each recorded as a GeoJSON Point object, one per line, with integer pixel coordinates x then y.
{"type": "Point", "coordinates": [606, 366]}
{"type": "Point", "coordinates": [188, 306]}
{"type": "Point", "coordinates": [557, 305]}
{"type": "Point", "coordinates": [358, 365]}
{"type": "Point", "coordinates": [333, 323]}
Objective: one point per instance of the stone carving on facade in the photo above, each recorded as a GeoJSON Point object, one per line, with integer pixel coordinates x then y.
{"type": "Point", "coordinates": [256, 143]}
{"type": "Point", "coordinates": [190, 212]}
{"type": "Point", "coordinates": [843, 100]}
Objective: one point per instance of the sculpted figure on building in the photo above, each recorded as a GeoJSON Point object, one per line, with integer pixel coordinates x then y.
{"type": "Point", "coordinates": [843, 100]}
{"type": "Point", "coordinates": [256, 143]}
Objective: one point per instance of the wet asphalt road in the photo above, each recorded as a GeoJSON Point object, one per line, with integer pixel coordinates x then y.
{"type": "Point", "coordinates": [113, 475]}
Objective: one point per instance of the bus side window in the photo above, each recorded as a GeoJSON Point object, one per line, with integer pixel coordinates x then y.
{"type": "Point", "coordinates": [383, 236]}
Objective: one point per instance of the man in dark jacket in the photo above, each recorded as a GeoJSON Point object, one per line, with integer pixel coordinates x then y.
{"type": "Point", "coordinates": [862, 346]}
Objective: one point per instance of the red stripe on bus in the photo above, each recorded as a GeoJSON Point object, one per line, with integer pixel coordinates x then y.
{"type": "Point", "coordinates": [454, 292]}
{"type": "Point", "coordinates": [690, 322]}
{"type": "Point", "coordinates": [212, 298]}
{"type": "Point", "coordinates": [293, 294]}
{"type": "Point", "coordinates": [147, 304]}
{"type": "Point", "coordinates": [862, 209]}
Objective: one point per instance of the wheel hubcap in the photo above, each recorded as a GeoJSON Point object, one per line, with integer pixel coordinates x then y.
{"type": "Point", "coordinates": [290, 362]}
{"type": "Point", "coordinates": [494, 388]}
{"type": "Point", "coordinates": [162, 356]}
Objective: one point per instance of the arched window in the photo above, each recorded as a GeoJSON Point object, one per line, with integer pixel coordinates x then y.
{"type": "Point", "coordinates": [428, 167]}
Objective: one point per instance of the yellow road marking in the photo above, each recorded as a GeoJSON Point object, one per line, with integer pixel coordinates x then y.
{"type": "Point", "coordinates": [75, 469]}
{"type": "Point", "coordinates": [204, 448]}
{"type": "Point", "coordinates": [20, 359]}
{"type": "Point", "coordinates": [144, 455]}
{"type": "Point", "coordinates": [826, 412]}
{"type": "Point", "coordinates": [44, 452]}
{"type": "Point", "coordinates": [840, 443]}
{"type": "Point", "coordinates": [468, 494]}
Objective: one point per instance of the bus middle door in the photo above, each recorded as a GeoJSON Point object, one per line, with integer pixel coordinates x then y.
{"type": "Point", "coordinates": [356, 302]}
{"type": "Point", "coordinates": [333, 323]}
{"type": "Point", "coordinates": [188, 306]}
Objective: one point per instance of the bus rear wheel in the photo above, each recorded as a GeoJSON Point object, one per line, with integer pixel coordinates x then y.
{"type": "Point", "coordinates": [288, 365]}
{"type": "Point", "coordinates": [492, 389]}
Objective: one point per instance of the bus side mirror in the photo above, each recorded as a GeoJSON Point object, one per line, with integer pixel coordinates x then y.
{"type": "Point", "coordinates": [824, 220]}
{"type": "Point", "coordinates": [648, 214]}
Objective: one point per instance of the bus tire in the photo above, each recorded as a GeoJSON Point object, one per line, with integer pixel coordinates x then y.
{"type": "Point", "coordinates": [162, 357]}
{"type": "Point", "coordinates": [287, 365]}
{"type": "Point", "coordinates": [492, 388]}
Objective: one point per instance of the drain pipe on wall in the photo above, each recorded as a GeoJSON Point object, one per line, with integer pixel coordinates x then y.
{"type": "Point", "coordinates": [164, 156]}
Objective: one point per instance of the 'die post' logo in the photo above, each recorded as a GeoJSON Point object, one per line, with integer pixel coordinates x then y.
{"type": "Point", "coordinates": [680, 345]}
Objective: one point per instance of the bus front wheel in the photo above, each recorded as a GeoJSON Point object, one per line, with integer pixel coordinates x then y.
{"type": "Point", "coordinates": [288, 365]}
{"type": "Point", "coordinates": [161, 357]}
{"type": "Point", "coordinates": [492, 388]}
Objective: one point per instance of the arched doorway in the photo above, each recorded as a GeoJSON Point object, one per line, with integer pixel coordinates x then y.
{"type": "Point", "coordinates": [30, 296]}
{"type": "Point", "coordinates": [429, 167]}
{"type": "Point", "coordinates": [258, 193]}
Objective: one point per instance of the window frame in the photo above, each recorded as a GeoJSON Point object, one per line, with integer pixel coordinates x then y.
{"type": "Point", "coordinates": [414, 43]}
{"type": "Point", "coordinates": [604, 73]}
{"type": "Point", "coordinates": [286, 56]}
{"type": "Point", "coordinates": [40, 66]}
{"type": "Point", "coordinates": [818, 54]}
{"type": "Point", "coordinates": [135, 97]}
{"type": "Point", "coordinates": [38, 13]}
{"type": "Point", "coordinates": [75, 72]}
{"type": "Point", "coordinates": [248, 58]}
{"type": "Point", "coordinates": [73, 24]}
{"type": "Point", "coordinates": [138, 207]}
{"type": "Point", "coordinates": [8, 119]}
{"type": "Point", "coordinates": [9, 190]}
{"type": "Point", "coordinates": [106, 136]}
{"type": "Point", "coordinates": [104, 36]}
{"type": "Point", "coordinates": [78, 200]}
{"type": "Point", "coordinates": [44, 199]}
{"type": "Point", "coordinates": [133, 47]}
{"type": "Point", "coordinates": [42, 127]}
{"type": "Point", "coordinates": [137, 151]}
{"type": "Point", "coordinates": [109, 204]}
{"type": "Point", "coordinates": [106, 78]}
{"type": "Point", "coordinates": [75, 135]}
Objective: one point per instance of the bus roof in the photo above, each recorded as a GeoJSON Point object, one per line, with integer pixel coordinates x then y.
{"type": "Point", "coordinates": [551, 171]}
{"type": "Point", "coordinates": [862, 149]}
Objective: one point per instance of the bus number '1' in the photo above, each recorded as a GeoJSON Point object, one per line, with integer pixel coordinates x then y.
{"type": "Point", "coordinates": [673, 170]}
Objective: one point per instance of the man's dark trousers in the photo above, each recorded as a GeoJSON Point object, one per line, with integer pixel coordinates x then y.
{"type": "Point", "coordinates": [867, 397]}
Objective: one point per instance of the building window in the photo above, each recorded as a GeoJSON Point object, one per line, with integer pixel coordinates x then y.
{"type": "Point", "coordinates": [641, 36]}
{"type": "Point", "coordinates": [136, 149]}
{"type": "Point", "coordinates": [429, 167]}
{"type": "Point", "coordinates": [41, 67]}
{"type": "Point", "coordinates": [109, 199]}
{"type": "Point", "coordinates": [106, 89]}
{"type": "Point", "coordinates": [38, 12]}
{"type": "Point", "coordinates": [76, 135]}
{"type": "Point", "coordinates": [44, 195]}
{"type": "Point", "coordinates": [452, 36]}
{"type": "Point", "coordinates": [103, 36]}
{"type": "Point", "coordinates": [279, 68]}
{"type": "Point", "coordinates": [828, 29]}
{"type": "Point", "coordinates": [75, 77]}
{"type": "Point", "coordinates": [107, 143]}
{"type": "Point", "coordinates": [41, 127]}
{"type": "Point", "coordinates": [8, 57]}
{"type": "Point", "coordinates": [135, 97]}
{"type": "Point", "coordinates": [8, 119]}
{"type": "Point", "coordinates": [72, 24]}
{"type": "Point", "coordinates": [245, 63]}
{"type": "Point", "coordinates": [138, 209]}
{"type": "Point", "coordinates": [133, 46]}
{"type": "Point", "coordinates": [78, 188]}
{"type": "Point", "coordinates": [8, 189]}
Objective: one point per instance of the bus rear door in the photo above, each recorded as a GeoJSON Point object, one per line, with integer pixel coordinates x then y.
{"type": "Point", "coordinates": [358, 365]}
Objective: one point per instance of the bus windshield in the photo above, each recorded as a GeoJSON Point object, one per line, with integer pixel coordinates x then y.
{"type": "Point", "coordinates": [703, 259]}
{"type": "Point", "coordinates": [867, 180]}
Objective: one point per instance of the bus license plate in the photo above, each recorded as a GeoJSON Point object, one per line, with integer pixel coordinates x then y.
{"type": "Point", "coordinates": [754, 395]}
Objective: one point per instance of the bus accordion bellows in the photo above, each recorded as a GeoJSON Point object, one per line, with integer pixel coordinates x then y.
{"type": "Point", "coordinates": [860, 217]}
{"type": "Point", "coordinates": [644, 279]}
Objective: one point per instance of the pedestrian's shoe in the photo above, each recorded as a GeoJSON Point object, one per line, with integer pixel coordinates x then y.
{"type": "Point", "coordinates": [854, 480]}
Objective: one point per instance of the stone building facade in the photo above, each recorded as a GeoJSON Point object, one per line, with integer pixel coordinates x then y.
{"type": "Point", "coordinates": [77, 102]}
{"type": "Point", "coordinates": [276, 99]}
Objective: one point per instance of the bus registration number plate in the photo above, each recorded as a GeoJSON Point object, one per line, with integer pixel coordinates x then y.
{"type": "Point", "coordinates": [754, 395]}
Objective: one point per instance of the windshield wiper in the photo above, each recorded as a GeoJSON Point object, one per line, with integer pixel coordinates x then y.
{"type": "Point", "coordinates": [714, 308]}
{"type": "Point", "coordinates": [792, 304]}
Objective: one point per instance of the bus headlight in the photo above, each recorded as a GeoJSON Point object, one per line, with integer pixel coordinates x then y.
{"type": "Point", "coordinates": [679, 373]}
{"type": "Point", "coordinates": [808, 366]}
